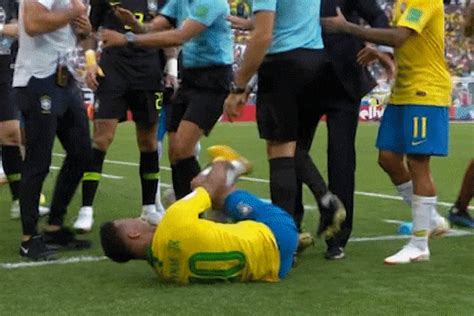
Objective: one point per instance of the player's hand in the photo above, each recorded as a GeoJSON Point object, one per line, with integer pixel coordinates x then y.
{"type": "Point", "coordinates": [77, 9]}
{"type": "Point", "coordinates": [125, 16]}
{"type": "Point", "coordinates": [367, 56]}
{"type": "Point", "coordinates": [91, 76]}
{"type": "Point", "coordinates": [112, 38]}
{"type": "Point", "coordinates": [335, 24]}
{"type": "Point", "coordinates": [82, 25]}
{"type": "Point", "coordinates": [240, 23]}
{"type": "Point", "coordinates": [234, 104]}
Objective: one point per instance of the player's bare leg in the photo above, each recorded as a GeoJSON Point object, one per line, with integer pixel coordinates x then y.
{"type": "Point", "coordinates": [458, 214]}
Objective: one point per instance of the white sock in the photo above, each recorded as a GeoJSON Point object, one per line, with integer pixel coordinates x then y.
{"type": "Point", "coordinates": [159, 205]}
{"type": "Point", "coordinates": [436, 218]}
{"type": "Point", "coordinates": [421, 211]}
{"type": "Point", "coordinates": [160, 150]}
{"type": "Point", "coordinates": [151, 208]}
{"type": "Point", "coordinates": [326, 199]}
{"type": "Point", "coordinates": [406, 191]}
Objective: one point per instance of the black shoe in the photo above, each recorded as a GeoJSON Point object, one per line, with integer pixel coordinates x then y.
{"type": "Point", "coordinates": [335, 253]}
{"type": "Point", "coordinates": [65, 239]}
{"type": "Point", "coordinates": [36, 249]}
{"type": "Point", "coordinates": [331, 217]}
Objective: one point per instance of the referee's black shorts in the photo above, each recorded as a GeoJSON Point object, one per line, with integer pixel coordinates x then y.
{"type": "Point", "coordinates": [200, 98]}
{"type": "Point", "coordinates": [126, 86]}
{"type": "Point", "coordinates": [287, 91]}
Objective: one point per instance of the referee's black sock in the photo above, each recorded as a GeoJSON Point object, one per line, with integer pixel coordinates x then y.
{"type": "Point", "coordinates": [91, 178]}
{"type": "Point", "coordinates": [149, 176]}
{"type": "Point", "coordinates": [183, 173]}
{"type": "Point", "coordinates": [283, 183]}
{"type": "Point", "coordinates": [308, 173]}
{"type": "Point", "coordinates": [12, 161]}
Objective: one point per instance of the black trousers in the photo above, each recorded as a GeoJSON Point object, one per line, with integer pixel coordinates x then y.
{"type": "Point", "coordinates": [342, 114]}
{"type": "Point", "coordinates": [49, 110]}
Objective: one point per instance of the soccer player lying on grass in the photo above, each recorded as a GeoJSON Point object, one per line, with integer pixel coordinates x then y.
{"type": "Point", "coordinates": [185, 248]}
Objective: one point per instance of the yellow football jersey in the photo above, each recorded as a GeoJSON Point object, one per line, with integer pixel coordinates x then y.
{"type": "Point", "coordinates": [423, 77]}
{"type": "Point", "coordinates": [187, 248]}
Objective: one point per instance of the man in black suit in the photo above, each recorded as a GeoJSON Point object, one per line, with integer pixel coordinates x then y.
{"type": "Point", "coordinates": [346, 81]}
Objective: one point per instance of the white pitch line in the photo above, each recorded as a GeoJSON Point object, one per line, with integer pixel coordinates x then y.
{"type": "Point", "coordinates": [258, 180]}
{"type": "Point", "coordinates": [20, 265]}
{"type": "Point", "coordinates": [85, 259]}
{"type": "Point", "coordinates": [109, 176]}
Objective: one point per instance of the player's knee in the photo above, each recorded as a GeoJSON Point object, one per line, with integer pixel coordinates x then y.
{"type": "Point", "coordinates": [386, 161]}
{"type": "Point", "coordinates": [102, 141]}
{"type": "Point", "coordinates": [418, 163]}
{"type": "Point", "coordinates": [10, 136]}
{"type": "Point", "coordinates": [179, 151]}
{"type": "Point", "coordinates": [147, 144]}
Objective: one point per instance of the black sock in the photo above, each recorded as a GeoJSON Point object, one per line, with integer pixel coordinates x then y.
{"type": "Point", "coordinates": [91, 178]}
{"type": "Point", "coordinates": [149, 176]}
{"type": "Point", "coordinates": [283, 183]}
{"type": "Point", "coordinates": [307, 172]}
{"type": "Point", "coordinates": [183, 173]}
{"type": "Point", "coordinates": [12, 161]}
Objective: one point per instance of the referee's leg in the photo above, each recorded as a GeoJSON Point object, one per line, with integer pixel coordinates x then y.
{"type": "Point", "coordinates": [342, 127]}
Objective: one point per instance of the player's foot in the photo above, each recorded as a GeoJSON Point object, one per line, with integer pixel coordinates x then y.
{"type": "Point", "coordinates": [409, 253]}
{"type": "Point", "coordinates": [305, 240]}
{"type": "Point", "coordinates": [225, 152]}
{"type": "Point", "coordinates": [65, 239]}
{"type": "Point", "coordinates": [335, 253]}
{"type": "Point", "coordinates": [459, 218]}
{"type": "Point", "coordinates": [36, 249]}
{"type": "Point", "coordinates": [84, 221]}
{"type": "Point", "coordinates": [439, 227]}
{"type": "Point", "coordinates": [151, 215]}
{"type": "Point", "coordinates": [331, 218]}
{"type": "Point", "coordinates": [15, 210]}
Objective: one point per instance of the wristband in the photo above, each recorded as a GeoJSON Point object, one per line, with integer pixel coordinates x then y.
{"type": "Point", "coordinates": [2, 27]}
{"type": "Point", "coordinates": [171, 67]}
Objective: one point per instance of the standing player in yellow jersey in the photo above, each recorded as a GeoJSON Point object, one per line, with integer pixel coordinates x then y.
{"type": "Point", "coordinates": [415, 124]}
{"type": "Point", "coordinates": [185, 248]}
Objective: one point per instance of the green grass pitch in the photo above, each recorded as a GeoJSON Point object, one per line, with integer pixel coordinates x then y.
{"type": "Point", "coordinates": [357, 285]}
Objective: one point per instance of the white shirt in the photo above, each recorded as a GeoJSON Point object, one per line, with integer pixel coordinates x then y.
{"type": "Point", "coordinates": [38, 55]}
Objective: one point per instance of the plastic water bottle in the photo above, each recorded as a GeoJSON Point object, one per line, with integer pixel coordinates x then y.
{"type": "Point", "coordinates": [405, 228]}
{"type": "Point", "coordinates": [5, 42]}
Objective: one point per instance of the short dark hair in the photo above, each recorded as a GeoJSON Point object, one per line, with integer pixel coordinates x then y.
{"type": "Point", "coordinates": [112, 243]}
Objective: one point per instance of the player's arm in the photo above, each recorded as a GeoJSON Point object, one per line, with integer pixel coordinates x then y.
{"type": "Point", "coordinates": [257, 47]}
{"type": "Point", "coordinates": [9, 30]}
{"type": "Point", "coordinates": [171, 38]}
{"type": "Point", "coordinates": [159, 23]}
{"type": "Point", "coordinates": [394, 36]}
{"type": "Point", "coordinates": [39, 18]}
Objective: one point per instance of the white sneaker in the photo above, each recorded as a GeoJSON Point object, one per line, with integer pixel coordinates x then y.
{"type": "Point", "coordinates": [151, 215]}
{"type": "Point", "coordinates": [43, 210]}
{"type": "Point", "coordinates": [85, 220]}
{"type": "Point", "coordinates": [15, 210]}
{"type": "Point", "coordinates": [409, 253]}
{"type": "Point", "coordinates": [439, 226]}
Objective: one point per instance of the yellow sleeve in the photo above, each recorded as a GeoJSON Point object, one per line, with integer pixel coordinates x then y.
{"type": "Point", "coordinates": [189, 207]}
{"type": "Point", "coordinates": [418, 13]}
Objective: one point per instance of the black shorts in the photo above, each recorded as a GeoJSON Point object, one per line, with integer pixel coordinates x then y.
{"type": "Point", "coordinates": [8, 107]}
{"type": "Point", "coordinates": [125, 87]}
{"type": "Point", "coordinates": [287, 85]}
{"type": "Point", "coordinates": [200, 98]}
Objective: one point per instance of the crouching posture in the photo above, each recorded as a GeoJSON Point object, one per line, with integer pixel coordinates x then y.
{"type": "Point", "coordinates": [185, 248]}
